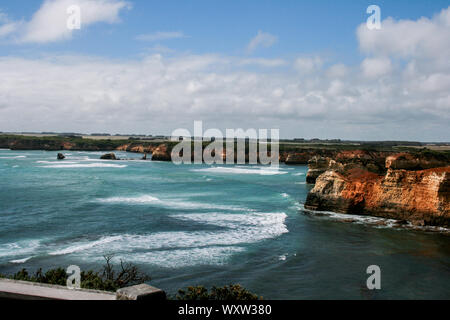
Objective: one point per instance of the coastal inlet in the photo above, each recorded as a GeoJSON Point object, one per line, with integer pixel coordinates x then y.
{"type": "Point", "coordinates": [205, 225]}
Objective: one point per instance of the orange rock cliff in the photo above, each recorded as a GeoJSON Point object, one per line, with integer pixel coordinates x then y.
{"type": "Point", "coordinates": [409, 187]}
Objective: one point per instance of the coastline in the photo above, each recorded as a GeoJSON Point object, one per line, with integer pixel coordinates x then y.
{"type": "Point", "coordinates": [347, 179]}
{"type": "Point", "coordinates": [244, 227]}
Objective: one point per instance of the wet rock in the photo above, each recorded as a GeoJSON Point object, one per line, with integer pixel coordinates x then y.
{"type": "Point", "coordinates": [161, 153]}
{"type": "Point", "coordinates": [418, 223]}
{"type": "Point", "coordinates": [61, 156]}
{"type": "Point", "coordinates": [401, 222]}
{"type": "Point", "coordinates": [108, 156]}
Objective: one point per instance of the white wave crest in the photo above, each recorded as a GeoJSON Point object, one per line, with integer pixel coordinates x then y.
{"type": "Point", "coordinates": [239, 170]}
{"type": "Point", "coordinates": [20, 248]}
{"type": "Point", "coordinates": [13, 157]}
{"type": "Point", "coordinates": [90, 165]}
{"type": "Point", "coordinates": [172, 203]}
{"type": "Point", "coordinates": [86, 245]}
{"type": "Point", "coordinates": [57, 162]}
{"type": "Point", "coordinates": [20, 261]}
{"type": "Point", "coordinates": [130, 200]}
{"type": "Point", "coordinates": [185, 257]}
{"type": "Point", "coordinates": [180, 248]}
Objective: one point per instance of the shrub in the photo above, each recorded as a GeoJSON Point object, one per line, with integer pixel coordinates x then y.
{"type": "Point", "coordinates": [227, 293]}
{"type": "Point", "coordinates": [109, 279]}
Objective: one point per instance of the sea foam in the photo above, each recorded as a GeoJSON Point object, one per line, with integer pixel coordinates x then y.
{"type": "Point", "coordinates": [173, 248]}
{"type": "Point", "coordinates": [171, 203]}
{"type": "Point", "coordinates": [90, 165]}
{"type": "Point", "coordinates": [20, 248]}
{"type": "Point", "coordinates": [241, 170]}
{"type": "Point", "coordinates": [144, 199]}
{"type": "Point", "coordinates": [86, 245]}
{"type": "Point", "coordinates": [20, 261]}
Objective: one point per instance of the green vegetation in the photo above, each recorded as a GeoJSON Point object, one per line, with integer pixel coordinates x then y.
{"type": "Point", "coordinates": [112, 278]}
{"type": "Point", "coordinates": [54, 143]}
{"type": "Point", "coordinates": [226, 293]}
{"type": "Point", "coordinates": [109, 279]}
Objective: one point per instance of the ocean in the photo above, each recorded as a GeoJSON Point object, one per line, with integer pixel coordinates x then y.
{"type": "Point", "coordinates": [205, 225]}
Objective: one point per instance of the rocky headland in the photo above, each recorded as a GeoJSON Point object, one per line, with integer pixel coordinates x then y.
{"type": "Point", "coordinates": [402, 186]}
{"type": "Point", "coordinates": [379, 181]}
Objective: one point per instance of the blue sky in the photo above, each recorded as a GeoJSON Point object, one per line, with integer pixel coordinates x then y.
{"type": "Point", "coordinates": [218, 26]}
{"type": "Point", "coordinates": [313, 70]}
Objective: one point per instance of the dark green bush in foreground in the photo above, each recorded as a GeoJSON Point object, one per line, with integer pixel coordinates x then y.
{"type": "Point", "coordinates": [227, 293]}
{"type": "Point", "coordinates": [109, 279]}
{"type": "Point", "coordinates": [127, 274]}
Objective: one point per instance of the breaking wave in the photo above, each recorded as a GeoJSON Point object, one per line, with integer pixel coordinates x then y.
{"type": "Point", "coordinates": [239, 170]}
{"type": "Point", "coordinates": [90, 165]}
{"type": "Point", "coordinates": [171, 203]}
{"type": "Point", "coordinates": [181, 248]}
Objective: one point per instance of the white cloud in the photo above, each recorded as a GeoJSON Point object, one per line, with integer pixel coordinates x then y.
{"type": "Point", "coordinates": [3, 17]}
{"type": "Point", "coordinates": [422, 39]}
{"type": "Point", "coordinates": [262, 39]}
{"type": "Point", "coordinates": [161, 94]}
{"type": "Point", "coordinates": [381, 98]}
{"type": "Point", "coordinates": [308, 65]}
{"type": "Point", "coordinates": [7, 26]}
{"type": "Point", "coordinates": [376, 67]}
{"type": "Point", "coordinates": [49, 23]}
{"type": "Point", "coordinates": [160, 35]}
{"type": "Point", "coordinates": [337, 71]}
{"type": "Point", "coordinates": [264, 62]}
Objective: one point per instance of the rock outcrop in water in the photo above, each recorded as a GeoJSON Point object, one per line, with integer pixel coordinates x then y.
{"type": "Point", "coordinates": [108, 156]}
{"type": "Point", "coordinates": [408, 187]}
{"type": "Point", "coordinates": [161, 153]}
{"type": "Point", "coordinates": [60, 156]}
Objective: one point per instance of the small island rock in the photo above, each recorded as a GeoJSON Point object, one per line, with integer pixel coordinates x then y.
{"type": "Point", "coordinates": [108, 156]}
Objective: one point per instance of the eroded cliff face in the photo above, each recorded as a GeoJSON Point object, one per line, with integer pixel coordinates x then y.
{"type": "Point", "coordinates": [345, 160]}
{"type": "Point", "coordinates": [317, 166]}
{"type": "Point", "coordinates": [302, 158]}
{"type": "Point", "coordinates": [419, 196]}
{"type": "Point", "coordinates": [161, 153]}
{"type": "Point", "coordinates": [137, 148]}
{"type": "Point", "coordinates": [408, 161]}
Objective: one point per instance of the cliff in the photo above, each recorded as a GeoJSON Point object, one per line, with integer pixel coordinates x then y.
{"type": "Point", "coordinates": [370, 160]}
{"type": "Point", "coordinates": [161, 153]}
{"type": "Point", "coordinates": [404, 190]}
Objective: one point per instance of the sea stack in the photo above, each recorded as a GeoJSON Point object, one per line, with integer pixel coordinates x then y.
{"type": "Point", "coordinates": [108, 156]}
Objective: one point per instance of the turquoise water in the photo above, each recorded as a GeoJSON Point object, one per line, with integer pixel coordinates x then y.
{"type": "Point", "coordinates": [201, 225]}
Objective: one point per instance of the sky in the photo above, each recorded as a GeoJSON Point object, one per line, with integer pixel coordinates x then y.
{"type": "Point", "coordinates": [312, 69]}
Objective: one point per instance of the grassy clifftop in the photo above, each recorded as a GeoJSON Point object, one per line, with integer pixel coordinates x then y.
{"type": "Point", "coordinates": [55, 143]}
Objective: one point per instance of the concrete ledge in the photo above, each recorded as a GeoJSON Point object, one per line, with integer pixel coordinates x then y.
{"type": "Point", "coordinates": [22, 290]}
{"type": "Point", "coordinates": [140, 292]}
